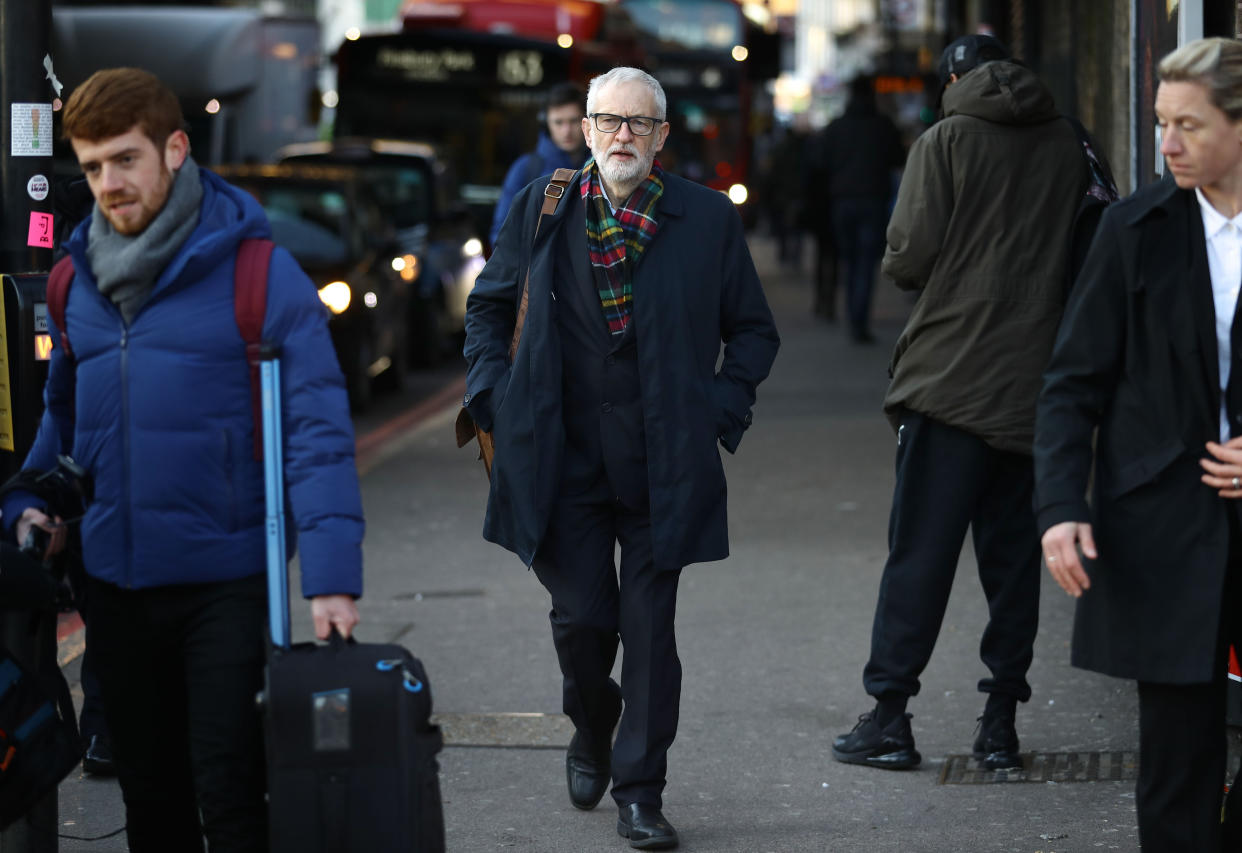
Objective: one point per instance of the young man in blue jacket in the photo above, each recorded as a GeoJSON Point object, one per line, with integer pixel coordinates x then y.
{"type": "Point", "coordinates": [560, 146]}
{"type": "Point", "coordinates": [155, 402]}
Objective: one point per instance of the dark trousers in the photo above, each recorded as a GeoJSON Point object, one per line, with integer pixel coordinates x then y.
{"type": "Point", "coordinates": [594, 606]}
{"type": "Point", "coordinates": [1183, 749]}
{"type": "Point", "coordinates": [180, 667]}
{"type": "Point", "coordinates": [824, 297]}
{"type": "Point", "coordinates": [91, 721]}
{"type": "Point", "coordinates": [947, 481]}
{"type": "Point", "coordinates": [858, 226]}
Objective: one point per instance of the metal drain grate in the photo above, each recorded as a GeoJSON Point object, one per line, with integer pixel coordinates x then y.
{"type": "Point", "coordinates": [1060, 767]}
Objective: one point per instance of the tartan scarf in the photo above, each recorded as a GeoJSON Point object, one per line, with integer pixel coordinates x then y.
{"type": "Point", "coordinates": [616, 243]}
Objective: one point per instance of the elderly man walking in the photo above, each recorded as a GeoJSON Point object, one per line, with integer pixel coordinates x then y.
{"type": "Point", "coordinates": [607, 420]}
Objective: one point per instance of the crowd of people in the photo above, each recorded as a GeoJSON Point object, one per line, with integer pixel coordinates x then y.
{"type": "Point", "coordinates": [615, 342]}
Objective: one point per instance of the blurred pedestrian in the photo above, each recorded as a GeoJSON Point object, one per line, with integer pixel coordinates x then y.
{"type": "Point", "coordinates": [859, 152]}
{"type": "Point", "coordinates": [817, 220]}
{"type": "Point", "coordinates": [1142, 403]}
{"type": "Point", "coordinates": [559, 146]}
{"type": "Point", "coordinates": [607, 421]}
{"type": "Point", "coordinates": [154, 399]}
{"type": "Point", "coordinates": [982, 228]}
{"type": "Point", "coordinates": [784, 192]}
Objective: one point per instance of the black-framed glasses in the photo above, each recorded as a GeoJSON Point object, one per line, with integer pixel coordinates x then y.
{"type": "Point", "coordinates": [639, 125]}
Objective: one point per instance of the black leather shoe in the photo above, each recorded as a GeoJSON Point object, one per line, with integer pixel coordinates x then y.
{"type": "Point", "coordinates": [890, 747]}
{"type": "Point", "coordinates": [98, 758]}
{"type": "Point", "coordinates": [645, 827]}
{"type": "Point", "coordinates": [996, 747]}
{"type": "Point", "coordinates": [588, 770]}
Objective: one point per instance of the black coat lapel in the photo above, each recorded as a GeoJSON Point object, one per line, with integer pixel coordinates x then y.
{"type": "Point", "coordinates": [1200, 282]}
{"type": "Point", "coordinates": [1173, 271]}
{"type": "Point", "coordinates": [587, 296]}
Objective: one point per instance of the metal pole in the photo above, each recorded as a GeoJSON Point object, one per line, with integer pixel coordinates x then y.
{"type": "Point", "coordinates": [26, 135]}
{"type": "Point", "coordinates": [25, 246]}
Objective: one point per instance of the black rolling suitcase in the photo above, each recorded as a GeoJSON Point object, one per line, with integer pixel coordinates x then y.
{"type": "Point", "coordinates": [351, 755]}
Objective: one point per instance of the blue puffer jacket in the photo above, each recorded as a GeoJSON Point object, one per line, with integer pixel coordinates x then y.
{"type": "Point", "coordinates": [544, 160]}
{"type": "Point", "coordinates": [165, 427]}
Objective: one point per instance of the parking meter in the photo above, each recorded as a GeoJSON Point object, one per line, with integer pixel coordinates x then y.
{"type": "Point", "coordinates": [25, 347]}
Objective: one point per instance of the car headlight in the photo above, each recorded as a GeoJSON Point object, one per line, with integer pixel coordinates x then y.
{"type": "Point", "coordinates": [407, 266]}
{"type": "Point", "coordinates": [336, 296]}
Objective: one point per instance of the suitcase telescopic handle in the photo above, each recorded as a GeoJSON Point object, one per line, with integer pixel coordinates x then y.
{"type": "Point", "coordinates": [274, 491]}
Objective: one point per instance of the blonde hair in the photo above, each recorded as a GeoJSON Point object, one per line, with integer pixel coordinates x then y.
{"type": "Point", "coordinates": [1215, 64]}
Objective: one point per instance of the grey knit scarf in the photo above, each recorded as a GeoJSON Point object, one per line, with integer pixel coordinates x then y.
{"type": "Point", "coordinates": [126, 267]}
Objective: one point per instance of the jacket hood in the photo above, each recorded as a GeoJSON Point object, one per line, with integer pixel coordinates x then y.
{"type": "Point", "coordinates": [226, 216]}
{"type": "Point", "coordinates": [1001, 92]}
{"type": "Point", "coordinates": [550, 153]}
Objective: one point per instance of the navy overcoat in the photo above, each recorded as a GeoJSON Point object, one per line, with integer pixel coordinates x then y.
{"type": "Point", "coordinates": [695, 290]}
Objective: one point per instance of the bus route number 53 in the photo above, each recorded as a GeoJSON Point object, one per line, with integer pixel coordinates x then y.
{"type": "Point", "coordinates": [520, 68]}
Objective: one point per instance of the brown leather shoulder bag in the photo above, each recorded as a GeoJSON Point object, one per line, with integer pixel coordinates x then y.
{"type": "Point", "coordinates": [465, 427]}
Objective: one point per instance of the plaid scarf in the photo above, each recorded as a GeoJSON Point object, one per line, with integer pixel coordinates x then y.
{"type": "Point", "coordinates": [616, 243]}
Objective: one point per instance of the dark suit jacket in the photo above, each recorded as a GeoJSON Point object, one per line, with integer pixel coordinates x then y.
{"type": "Point", "coordinates": [695, 288]}
{"type": "Point", "coordinates": [1136, 356]}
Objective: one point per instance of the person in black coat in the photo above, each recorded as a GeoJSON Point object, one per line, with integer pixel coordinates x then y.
{"type": "Point", "coordinates": [607, 420]}
{"type": "Point", "coordinates": [859, 152]}
{"type": "Point", "coordinates": [1142, 400]}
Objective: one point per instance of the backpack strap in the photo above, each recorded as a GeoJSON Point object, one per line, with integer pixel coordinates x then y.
{"type": "Point", "coordinates": [250, 307]}
{"type": "Point", "coordinates": [58, 282]}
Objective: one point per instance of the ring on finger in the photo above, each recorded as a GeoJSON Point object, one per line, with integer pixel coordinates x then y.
{"type": "Point", "coordinates": [1236, 482]}
{"type": "Point", "coordinates": [1050, 558]}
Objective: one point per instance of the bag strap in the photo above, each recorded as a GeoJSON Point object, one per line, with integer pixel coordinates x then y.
{"type": "Point", "coordinates": [249, 308]}
{"type": "Point", "coordinates": [1103, 185]}
{"type": "Point", "coordinates": [58, 282]}
{"type": "Point", "coordinates": [552, 196]}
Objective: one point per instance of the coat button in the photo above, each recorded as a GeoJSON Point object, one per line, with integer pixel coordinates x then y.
{"type": "Point", "coordinates": [606, 408]}
{"type": "Point", "coordinates": [465, 401]}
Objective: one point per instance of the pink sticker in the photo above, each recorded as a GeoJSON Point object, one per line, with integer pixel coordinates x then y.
{"type": "Point", "coordinates": [40, 230]}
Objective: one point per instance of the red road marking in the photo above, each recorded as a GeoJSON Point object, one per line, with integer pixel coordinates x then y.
{"type": "Point", "coordinates": [368, 445]}
{"type": "Point", "coordinates": [67, 624]}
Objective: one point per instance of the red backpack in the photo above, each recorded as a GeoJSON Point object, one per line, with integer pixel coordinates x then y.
{"type": "Point", "coordinates": [249, 308]}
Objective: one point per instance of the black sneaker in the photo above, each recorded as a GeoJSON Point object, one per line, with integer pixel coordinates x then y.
{"type": "Point", "coordinates": [891, 747]}
{"type": "Point", "coordinates": [996, 746]}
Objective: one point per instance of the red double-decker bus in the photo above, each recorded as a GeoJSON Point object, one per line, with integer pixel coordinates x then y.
{"type": "Point", "coordinates": [468, 76]}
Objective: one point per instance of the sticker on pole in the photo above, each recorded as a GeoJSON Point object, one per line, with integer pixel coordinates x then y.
{"type": "Point", "coordinates": [30, 126]}
{"type": "Point", "coordinates": [40, 234]}
{"type": "Point", "coordinates": [37, 188]}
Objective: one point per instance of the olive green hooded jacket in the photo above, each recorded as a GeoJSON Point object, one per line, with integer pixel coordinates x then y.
{"type": "Point", "coordinates": [982, 227]}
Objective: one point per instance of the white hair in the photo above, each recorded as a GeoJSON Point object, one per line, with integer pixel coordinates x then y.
{"type": "Point", "coordinates": [624, 74]}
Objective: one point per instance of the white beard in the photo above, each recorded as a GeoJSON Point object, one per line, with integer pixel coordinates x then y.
{"type": "Point", "coordinates": [621, 172]}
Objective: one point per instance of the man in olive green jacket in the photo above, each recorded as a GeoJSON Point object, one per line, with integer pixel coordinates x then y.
{"type": "Point", "coordinates": [982, 228]}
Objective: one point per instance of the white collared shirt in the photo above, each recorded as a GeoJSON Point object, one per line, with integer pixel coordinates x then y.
{"type": "Point", "coordinates": [1224, 251]}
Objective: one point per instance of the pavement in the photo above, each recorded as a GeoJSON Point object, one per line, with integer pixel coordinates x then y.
{"type": "Point", "coordinates": [772, 642]}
